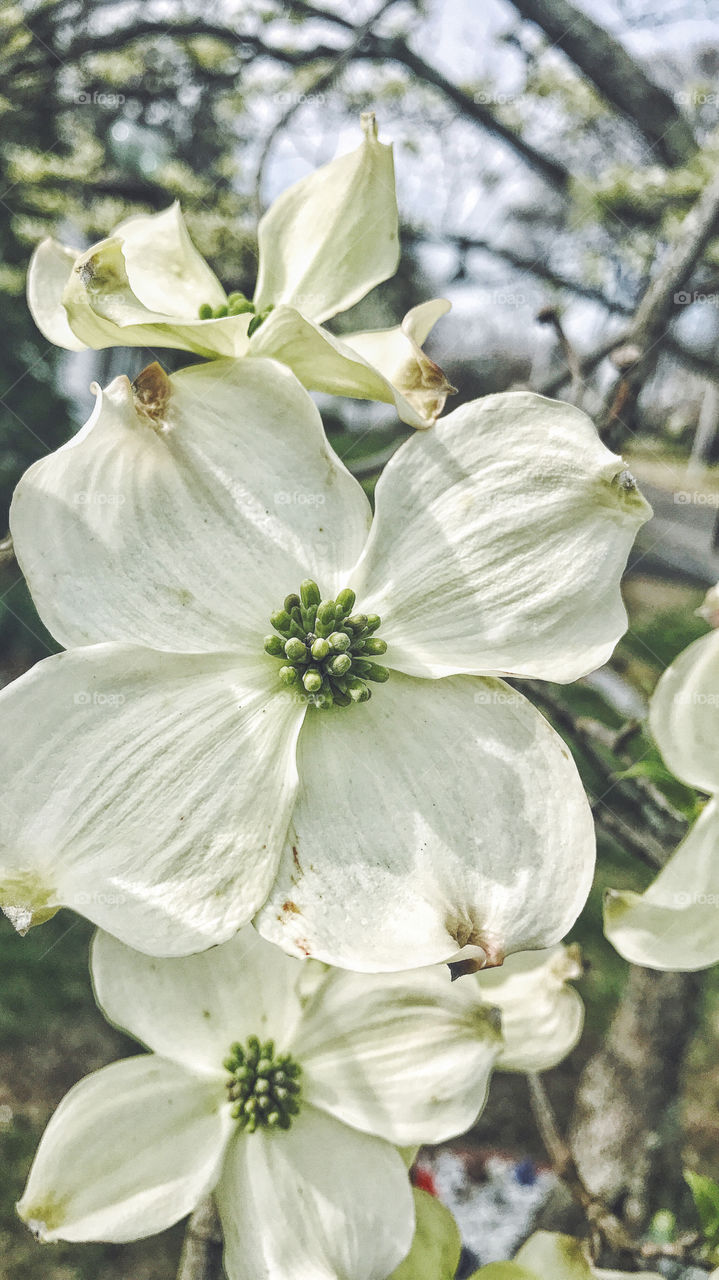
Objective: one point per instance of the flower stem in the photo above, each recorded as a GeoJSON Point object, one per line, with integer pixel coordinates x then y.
{"type": "Point", "coordinates": [202, 1250]}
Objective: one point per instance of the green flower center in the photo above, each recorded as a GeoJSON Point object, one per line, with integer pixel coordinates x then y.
{"type": "Point", "coordinates": [326, 650]}
{"type": "Point", "coordinates": [237, 304]}
{"type": "Point", "coordinates": [263, 1087]}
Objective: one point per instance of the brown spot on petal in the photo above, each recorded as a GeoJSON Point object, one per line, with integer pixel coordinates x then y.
{"type": "Point", "coordinates": [152, 390]}
{"type": "Point", "coordinates": [290, 907]}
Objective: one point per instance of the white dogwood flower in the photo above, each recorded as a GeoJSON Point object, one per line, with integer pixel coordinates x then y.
{"type": "Point", "coordinates": [178, 770]}
{"type": "Point", "coordinates": [279, 1098]}
{"type": "Point", "coordinates": [323, 244]}
{"type": "Point", "coordinates": [673, 925]}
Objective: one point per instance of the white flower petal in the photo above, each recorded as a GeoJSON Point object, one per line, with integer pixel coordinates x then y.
{"type": "Point", "coordinates": [437, 1244]}
{"type": "Point", "coordinates": [499, 542]}
{"type": "Point", "coordinates": [314, 1203]}
{"type": "Point", "coordinates": [675, 923]}
{"type": "Point", "coordinates": [323, 362]}
{"type": "Point", "coordinates": [182, 519]}
{"type": "Point", "coordinates": [191, 1009]}
{"type": "Point", "coordinates": [455, 817]}
{"type": "Point", "coordinates": [405, 1056]}
{"type": "Point", "coordinates": [542, 1016]}
{"type": "Point", "coordinates": [103, 310]}
{"type": "Point", "coordinates": [330, 238]}
{"type": "Point", "coordinates": [165, 270]}
{"type": "Point", "coordinates": [397, 354]}
{"type": "Point", "coordinates": [684, 713]}
{"type": "Point", "coordinates": [49, 271]}
{"type": "Point", "coordinates": [149, 791]}
{"type": "Point", "coordinates": [130, 1150]}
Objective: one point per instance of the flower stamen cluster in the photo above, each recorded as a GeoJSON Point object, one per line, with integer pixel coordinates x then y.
{"type": "Point", "coordinates": [237, 304]}
{"type": "Point", "coordinates": [326, 649]}
{"type": "Point", "coordinates": [264, 1087]}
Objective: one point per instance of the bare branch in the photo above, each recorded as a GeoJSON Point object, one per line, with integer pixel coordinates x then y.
{"type": "Point", "coordinates": [617, 76]}
{"type": "Point", "coordinates": [652, 317]}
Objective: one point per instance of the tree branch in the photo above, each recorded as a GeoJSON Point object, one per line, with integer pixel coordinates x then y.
{"type": "Point", "coordinates": [653, 314]}
{"type": "Point", "coordinates": [617, 76]}
{"type": "Point", "coordinates": [202, 1250]}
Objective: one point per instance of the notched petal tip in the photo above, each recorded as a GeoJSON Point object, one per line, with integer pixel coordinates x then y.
{"type": "Point", "coordinates": [475, 951]}
{"type": "Point", "coordinates": [25, 902]}
{"type": "Point", "coordinates": [624, 493]}
{"type": "Point", "coordinates": [370, 129]}
{"type": "Point", "coordinates": [152, 391]}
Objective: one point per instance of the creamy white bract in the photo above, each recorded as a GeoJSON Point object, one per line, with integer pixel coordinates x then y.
{"type": "Point", "coordinates": [323, 244]}
{"type": "Point", "coordinates": [378, 1060]}
{"type": "Point", "coordinates": [367, 1061]}
{"type": "Point", "coordinates": [673, 925]}
{"type": "Point", "coordinates": [159, 778]}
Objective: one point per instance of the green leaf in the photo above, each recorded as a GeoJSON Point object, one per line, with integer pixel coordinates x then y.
{"type": "Point", "coordinates": [436, 1246]}
{"type": "Point", "coordinates": [705, 1192]}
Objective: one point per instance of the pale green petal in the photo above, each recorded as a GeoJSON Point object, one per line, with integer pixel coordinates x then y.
{"type": "Point", "coordinates": [164, 269]}
{"type": "Point", "coordinates": [542, 1015]}
{"type": "Point", "coordinates": [456, 818]}
{"type": "Point", "coordinates": [437, 1244]}
{"type": "Point", "coordinates": [323, 362]}
{"type": "Point", "coordinates": [674, 925]}
{"type": "Point", "coordinates": [103, 311]}
{"type": "Point", "coordinates": [397, 354]}
{"type": "Point", "coordinates": [330, 238]}
{"type": "Point", "coordinates": [499, 542]}
{"type": "Point", "coordinates": [405, 1056]}
{"type": "Point", "coordinates": [550, 1256]}
{"type": "Point", "coordinates": [684, 714]}
{"type": "Point", "coordinates": [317, 1202]}
{"type": "Point", "coordinates": [49, 271]}
{"type": "Point", "coordinates": [130, 1150]}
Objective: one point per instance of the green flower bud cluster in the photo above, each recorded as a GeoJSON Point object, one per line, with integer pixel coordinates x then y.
{"type": "Point", "coordinates": [327, 651]}
{"type": "Point", "coordinates": [264, 1088]}
{"type": "Point", "coordinates": [237, 304]}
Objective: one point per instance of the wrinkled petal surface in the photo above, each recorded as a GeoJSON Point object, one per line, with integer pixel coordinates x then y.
{"type": "Point", "coordinates": [331, 237]}
{"type": "Point", "coordinates": [439, 815]}
{"type": "Point", "coordinates": [499, 542]}
{"type": "Point", "coordinates": [403, 1056]}
{"type": "Point", "coordinates": [317, 1202]}
{"type": "Point", "coordinates": [675, 923]}
{"type": "Point", "coordinates": [182, 516]}
{"type": "Point", "coordinates": [149, 791]}
{"type": "Point", "coordinates": [130, 1150]}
